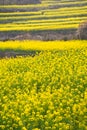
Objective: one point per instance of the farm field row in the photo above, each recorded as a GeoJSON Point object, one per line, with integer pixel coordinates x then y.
{"type": "Point", "coordinates": [47, 91]}
{"type": "Point", "coordinates": [42, 45]}
{"type": "Point", "coordinates": [47, 14]}
{"type": "Point", "coordinates": [66, 9]}
{"type": "Point", "coordinates": [44, 25]}
{"type": "Point", "coordinates": [36, 28]}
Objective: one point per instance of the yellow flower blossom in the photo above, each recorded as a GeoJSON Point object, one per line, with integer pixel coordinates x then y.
{"type": "Point", "coordinates": [47, 91]}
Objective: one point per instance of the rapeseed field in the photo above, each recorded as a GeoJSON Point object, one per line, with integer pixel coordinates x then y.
{"type": "Point", "coordinates": [47, 91]}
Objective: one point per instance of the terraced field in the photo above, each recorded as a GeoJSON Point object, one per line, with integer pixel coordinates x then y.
{"type": "Point", "coordinates": [49, 15]}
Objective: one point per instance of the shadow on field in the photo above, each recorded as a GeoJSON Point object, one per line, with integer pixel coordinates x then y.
{"type": "Point", "coordinates": [18, 53]}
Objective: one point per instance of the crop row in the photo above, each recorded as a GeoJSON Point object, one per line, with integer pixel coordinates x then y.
{"type": "Point", "coordinates": [42, 45]}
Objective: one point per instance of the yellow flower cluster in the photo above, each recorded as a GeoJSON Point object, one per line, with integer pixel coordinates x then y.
{"type": "Point", "coordinates": [45, 92]}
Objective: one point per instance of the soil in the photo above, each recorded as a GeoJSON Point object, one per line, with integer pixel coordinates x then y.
{"type": "Point", "coordinates": [38, 35]}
